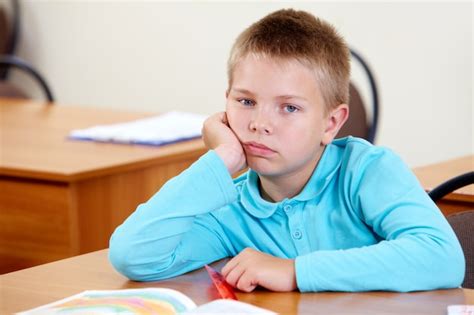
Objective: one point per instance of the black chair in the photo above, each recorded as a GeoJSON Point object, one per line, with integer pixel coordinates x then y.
{"type": "Point", "coordinates": [461, 222]}
{"type": "Point", "coordinates": [451, 185]}
{"type": "Point", "coordinates": [9, 90]}
{"type": "Point", "coordinates": [9, 30]}
{"type": "Point", "coordinates": [358, 125]}
{"type": "Point", "coordinates": [9, 33]}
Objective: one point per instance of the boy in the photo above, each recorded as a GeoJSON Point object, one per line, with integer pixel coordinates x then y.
{"type": "Point", "coordinates": [311, 213]}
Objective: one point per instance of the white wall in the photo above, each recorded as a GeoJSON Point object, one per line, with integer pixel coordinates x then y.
{"type": "Point", "coordinates": [159, 56]}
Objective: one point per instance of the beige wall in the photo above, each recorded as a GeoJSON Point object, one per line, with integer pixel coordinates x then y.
{"type": "Point", "coordinates": [159, 56]}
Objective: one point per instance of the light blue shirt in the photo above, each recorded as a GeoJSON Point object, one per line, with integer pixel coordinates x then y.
{"type": "Point", "coordinates": [362, 222]}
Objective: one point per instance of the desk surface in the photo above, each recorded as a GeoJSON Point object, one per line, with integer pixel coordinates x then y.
{"type": "Point", "coordinates": [39, 285]}
{"type": "Point", "coordinates": [433, 175]}
{"type": "Point", "coordinates": [35, 145]}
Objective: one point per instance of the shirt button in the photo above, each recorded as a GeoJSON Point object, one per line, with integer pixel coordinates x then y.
{"type": "Point", "coordinates": [297, 234]}
{"type": "Point", "coordinates": [287, 208]}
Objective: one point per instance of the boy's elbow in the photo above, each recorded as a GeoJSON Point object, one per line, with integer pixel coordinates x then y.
{"type": "Point", "coordinates": [135, 262]}
{"type": "Point", "coordinates": [123, 258]}
{"type": "Point", "coordinates": [120, 260]}
{"type": "Point", "coordinates": [440, 266]}
{"type": "Point", "coordinates": [455, 267]}
{"type": "Point", "coordinates": [451, 267]}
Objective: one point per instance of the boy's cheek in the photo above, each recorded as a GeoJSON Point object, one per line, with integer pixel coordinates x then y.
{"type": "Point", "coordinates": [233, 126]}
{"type": "Point", "coordinates": [230, 105]}
{"type": "Point", "coordinates": [234, 122]}
{"type": "Point", "coordinates": [231, 115]}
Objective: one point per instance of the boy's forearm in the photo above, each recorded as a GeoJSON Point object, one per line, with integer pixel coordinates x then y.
{"type": "Point", "coordinates": [146, 243]}
{"type": "Point", "coordinates": [408, 264]}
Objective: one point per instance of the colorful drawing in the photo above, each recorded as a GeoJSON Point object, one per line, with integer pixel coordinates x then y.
{"type": "Point", "coordinates": [132, 301]}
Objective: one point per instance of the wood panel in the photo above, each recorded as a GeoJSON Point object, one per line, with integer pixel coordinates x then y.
{"type": "Point", "coordinates": [449, 207]}
{"type": "Point", "coordinates": [105, 202]}
{"type": "Point", "coordinates": [36, 223]}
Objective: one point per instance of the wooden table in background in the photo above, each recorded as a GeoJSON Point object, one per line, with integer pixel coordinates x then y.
{"type": "Point", "coordinates": [25, 289]}
{"type": "Point", "coordinates": [59, 197]}
{"type": "Point", "coordinates": [433, 175]}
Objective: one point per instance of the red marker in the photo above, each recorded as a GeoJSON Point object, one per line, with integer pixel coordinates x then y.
{"type": "Point", "coordinates": [225, 290]}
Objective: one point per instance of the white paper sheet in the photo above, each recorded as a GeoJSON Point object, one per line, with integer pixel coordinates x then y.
{"type": "Point", "coordinates": [163, 129]}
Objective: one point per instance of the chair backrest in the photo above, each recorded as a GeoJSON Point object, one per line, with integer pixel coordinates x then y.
{"type": "Point", "coordinates": [451, 185]}
{"type": "Point", "coordinates": [9, 31]}
{"type": "Point", "coordinates": [461, 222]}
{"type": "Point", "coordinates": [12, 91]}
{"type": "Point", "coordinates": [4, 30]}
{"type": "Point", "coordinates": [463, 225]}
{"type": "Point", "coordinates": [358, 124]}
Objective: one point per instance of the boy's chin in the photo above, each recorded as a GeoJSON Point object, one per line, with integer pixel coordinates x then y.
{"type": "Point", "coordinates": [264, 167]}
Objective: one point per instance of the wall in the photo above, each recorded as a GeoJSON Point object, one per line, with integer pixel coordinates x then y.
{"type": "Point", "coordinates": [159, 56]}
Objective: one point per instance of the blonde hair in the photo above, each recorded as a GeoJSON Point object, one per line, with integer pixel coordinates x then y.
{"type": "Point", "coordinates": [289, 34]}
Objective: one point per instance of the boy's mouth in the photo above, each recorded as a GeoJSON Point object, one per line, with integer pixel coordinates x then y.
{"type": "Point", "coordinates": [255, 148]}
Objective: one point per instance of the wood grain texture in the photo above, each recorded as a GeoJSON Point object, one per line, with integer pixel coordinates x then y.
{"type": "Point", "coordinates": [36, 286]}
{"type": "Point", "coordinates": [35, 224]}
{"type": "Point", "coordinates": [109, 200]}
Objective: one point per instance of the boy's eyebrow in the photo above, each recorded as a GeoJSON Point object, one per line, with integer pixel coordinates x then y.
{"type": "Point", "coordinates": [285, 97]}
{"type": "Point", "coordinates": [244, 91]}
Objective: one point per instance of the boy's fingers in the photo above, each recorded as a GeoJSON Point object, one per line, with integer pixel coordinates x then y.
{"type": "Point", "coordinates": [230, 265]}
{"type": "Point", "coordinates": [234, 275]}
{"type": "Point", "coordinates": [246, 282]}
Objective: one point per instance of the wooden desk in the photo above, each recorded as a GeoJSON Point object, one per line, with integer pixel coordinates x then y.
{"type": "Point", "coordinates": [59, 197]}
{"type": "Point", "coordinates": [39, 285]}
{"type": "Point", "coordinates": [433, 175]}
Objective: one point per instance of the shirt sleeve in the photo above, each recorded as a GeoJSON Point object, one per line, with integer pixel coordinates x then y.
{"type": "Point", "coordinates": [175, 231]}
{"type": "Point", "coordinates": [418, 249]}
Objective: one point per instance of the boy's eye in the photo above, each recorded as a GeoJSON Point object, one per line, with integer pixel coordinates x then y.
{"type": "Point", "coordinates": [291, 109]}
{"type": "Point", "coordinates": [246, 102]}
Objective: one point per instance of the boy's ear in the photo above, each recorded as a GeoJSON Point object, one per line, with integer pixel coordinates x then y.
{"type": "Point", "coordinates": [335, 119]}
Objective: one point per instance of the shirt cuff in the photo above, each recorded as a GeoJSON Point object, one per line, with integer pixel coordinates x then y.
{"type": "Point", "coordinates": [310, 272]}
{"type": "Point", "coordinates": [303, 274]}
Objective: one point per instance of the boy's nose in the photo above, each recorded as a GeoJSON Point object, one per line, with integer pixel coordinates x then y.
{"type": "Point", "coordinates": [261, 123]}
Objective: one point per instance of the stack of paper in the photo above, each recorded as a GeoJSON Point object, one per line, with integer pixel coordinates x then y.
{"type": "Point", "coordinates": [167, 128]}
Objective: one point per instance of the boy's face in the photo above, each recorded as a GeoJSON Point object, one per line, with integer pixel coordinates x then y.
{"type": "Point", "coordinates": [277, 112]}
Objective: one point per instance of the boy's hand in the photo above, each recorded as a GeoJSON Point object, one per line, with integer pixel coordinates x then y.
{"type": "Point", "coordinates": [218, 136]}
{"type": "Point", "coordinates": [251, 268]}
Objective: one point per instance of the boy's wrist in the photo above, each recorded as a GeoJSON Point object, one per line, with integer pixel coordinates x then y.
{"type": "Point", "coordinates": [231, 158]}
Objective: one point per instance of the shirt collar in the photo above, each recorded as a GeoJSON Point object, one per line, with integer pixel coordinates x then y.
{"type": "Point", "coordinates": [252, 201]}
{"type": "Point", "coordinates": [327, 167]}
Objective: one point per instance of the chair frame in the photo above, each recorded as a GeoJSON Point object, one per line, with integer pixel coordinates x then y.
{"type": "Point", "coordinates": [373, 125]}
{"type": "Point", "coordinates": [454, 220]}
{"type": "Point", "coordinates": [451, 185]}
{"type": "Point", "coordinates": [7, 60]}
{"type": "Point", "coordinates": [12, 40]}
